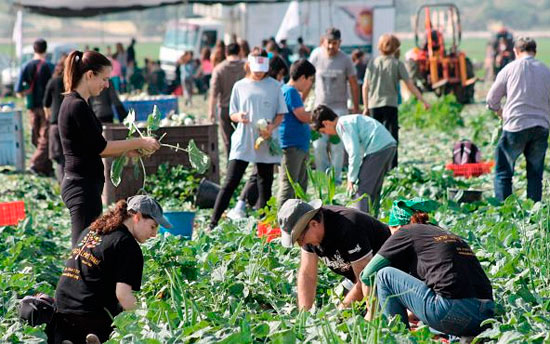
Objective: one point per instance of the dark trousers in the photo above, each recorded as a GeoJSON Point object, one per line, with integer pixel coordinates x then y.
{"type": "Point", "coordinates": [39, 137]}
{"type": "Point", "coordinates": [83, 199]}
{"type": "Point", "coordinates": [227, 128]}
{"type": "Point", "coordinates": [532, 142]}
{"type": "Point", "coordinates": [235, 172]}
{"type": "Point", "coordinates": [387, 115]}
{"type": "Point", "coordinates": [56, 151]}
{"type": "Point", "coordinates": [371, 178]}
{"type": "Point", "coordinates": [75, 328]}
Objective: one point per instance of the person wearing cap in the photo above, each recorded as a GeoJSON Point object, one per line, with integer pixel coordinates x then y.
{"type": "Point", "coordinates": [104, 270]}
{"type": "Point", "coordinates": [344, 238]}
{"type": "Point", "coordinates": [429, 271]}
{"type": "Point", "coordinates": [370, 149]}
{"type": "Point", "coordinates": [334, 71]}
{"type": "Point", "coordinates": [257, 106]}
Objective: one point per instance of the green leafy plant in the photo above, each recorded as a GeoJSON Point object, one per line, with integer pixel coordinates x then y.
{"type": "Point", "coordinates": [199, 160]}
{"type": "Point", "coordinates": [444, 114]}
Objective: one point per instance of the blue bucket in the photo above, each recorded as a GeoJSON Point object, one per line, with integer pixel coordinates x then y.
{"type": "Point", "coordinates": [182, 223]}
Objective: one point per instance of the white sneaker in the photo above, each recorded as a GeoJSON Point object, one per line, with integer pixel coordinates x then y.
{"type": "Point", "coordinates": [236, 213]}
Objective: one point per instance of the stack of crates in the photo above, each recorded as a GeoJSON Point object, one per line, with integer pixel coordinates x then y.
{"type": "Point", "coordinates": [12, 150]}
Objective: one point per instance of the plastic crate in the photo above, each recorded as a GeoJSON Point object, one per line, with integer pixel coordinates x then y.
{"type": "Point", "coordinates": [205, 136]}
{"type": "Point", "coordinates": [144, 107]}
{"type": "Point", "coordinates": [268, 232]}
{"type": "Point", "coordinates": [472, 169]}
{"type": "Point", "coordinates": [11, 213]}
{"type": "Point", "coordinates": [12, 150]}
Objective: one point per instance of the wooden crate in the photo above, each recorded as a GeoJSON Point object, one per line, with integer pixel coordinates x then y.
{"type": "Point", "coordinates": [205, 137]}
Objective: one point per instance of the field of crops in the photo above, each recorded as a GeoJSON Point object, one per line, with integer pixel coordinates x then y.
{"type": "Point", "coordinates": [229, 286]}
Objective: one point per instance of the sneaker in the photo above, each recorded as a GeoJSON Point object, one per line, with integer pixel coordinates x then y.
{"type": "Point", "coordinates": [235, 214]}
{"type": "Point", "coordinates": [92, 339]}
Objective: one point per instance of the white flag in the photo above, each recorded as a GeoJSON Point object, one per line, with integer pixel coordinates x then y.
{"type": "Point", "coordinates": [290, 21]}
{"type": "Point", "coordinates": [18, 34]}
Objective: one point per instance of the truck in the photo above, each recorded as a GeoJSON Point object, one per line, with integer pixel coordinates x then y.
{"type": "Point", "coordinates": [360, 22]}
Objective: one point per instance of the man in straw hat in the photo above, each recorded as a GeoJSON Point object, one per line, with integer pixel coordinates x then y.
{"type": "Point", "coordinates": [344, 238]}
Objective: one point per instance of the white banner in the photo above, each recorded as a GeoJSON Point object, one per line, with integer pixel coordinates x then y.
{"type": "Point", "coordinates": [18, 34]}
{"type": "Point", "coordinates": [291, 21]}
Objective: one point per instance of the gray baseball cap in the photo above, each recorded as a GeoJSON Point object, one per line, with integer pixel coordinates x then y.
{"type": "Point", "coordinates": [293, 218]}
{"type": "Point", "coordinates": [148, 206]}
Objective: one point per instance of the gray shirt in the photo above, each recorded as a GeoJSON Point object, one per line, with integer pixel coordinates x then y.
{"type": "Point", "coordinates": [526, 85]}
{"type": "Point", "coordinates": [260, 100]}
{"type": "Point", "coordinates": [331, 79]}
{"type": "Point", "coordinates": [383, 75]}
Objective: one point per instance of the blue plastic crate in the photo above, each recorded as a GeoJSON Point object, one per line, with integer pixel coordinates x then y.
{"type": "Point", "coordinates": [12, 150]}
{"type": "Point", "coordinates": [144, 107]}
{"type": "Point", "coordinates": [182, 222]}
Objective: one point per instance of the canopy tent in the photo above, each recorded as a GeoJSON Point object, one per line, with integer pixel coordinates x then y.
{"type": "Point", "coordinates": [87, 8]}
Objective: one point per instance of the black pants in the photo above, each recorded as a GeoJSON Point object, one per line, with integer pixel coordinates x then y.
{"type": "Point", "coordinates": [83, 198]}
{"type": "Point", "coordinates": [76, 327]}
{"type": "Point", "coordinates": [235, 172]}
{"type": "Point", "coordinates": [250, 190]}
{"type": "Point", "coordinates": [226, 127]}
{"type": "Point", "coordinates": [387, 115]}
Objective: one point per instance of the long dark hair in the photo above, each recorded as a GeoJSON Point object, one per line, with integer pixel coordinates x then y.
{"type": "Point", "coordinates": [78, 63]}
{"type": "Point", "coordinates": [112, 219]}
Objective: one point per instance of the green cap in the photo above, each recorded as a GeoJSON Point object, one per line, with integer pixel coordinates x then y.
{"type": "Point", "coordinates": [402, 210]}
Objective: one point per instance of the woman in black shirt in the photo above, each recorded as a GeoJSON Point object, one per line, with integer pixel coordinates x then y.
{"type": "Point", "coordinates": [431, 272]}
{"type": "Point", "coordinates": [103, 270]}
{"type": "Point", "coordinates": [86, 75]}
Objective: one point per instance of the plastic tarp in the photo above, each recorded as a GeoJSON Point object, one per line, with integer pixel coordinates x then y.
{"type": "Point", "coordinates": [87, 8]}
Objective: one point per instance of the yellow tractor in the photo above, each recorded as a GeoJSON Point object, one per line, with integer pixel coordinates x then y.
{"type": "Point", "coordinates": [435, 64]}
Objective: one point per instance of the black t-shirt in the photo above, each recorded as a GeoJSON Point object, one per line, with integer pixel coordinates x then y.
{"type": "Point", "coordinates": [350, 235]}
{"type": "Point", "coordinates": [27, 76]}
{"type": "Point", "coordinates": [88, 283]}
{"type": "Point", "coordinates": [81, 138]}
{"type": "Point", "coordinates": [54, 97]}
{"type": "Point", "coordinates": [441, 259]}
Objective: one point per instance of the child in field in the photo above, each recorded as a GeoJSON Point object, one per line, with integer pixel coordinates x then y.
{"type": "Point", "coordinates": [370, 149]}
{"type": "Point", "coordinates": [294, 130]}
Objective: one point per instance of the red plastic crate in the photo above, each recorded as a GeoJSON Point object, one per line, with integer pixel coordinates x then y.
{"type": "Point", "coordinates": [265, 230]}
{"type": "Point", "coordinates": [471, 170]}
{"type": "Point", "coordinates": [11, 213]}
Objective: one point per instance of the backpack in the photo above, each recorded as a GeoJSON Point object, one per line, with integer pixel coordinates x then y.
{"type": "Point", "coordinates": [37, 310]}
{"type": "Point", "coordinates": [466, 152]}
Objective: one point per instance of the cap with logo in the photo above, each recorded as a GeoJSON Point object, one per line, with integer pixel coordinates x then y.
{"type": "Point", "coordinates": [148, 206]}
{"type": "Point", "coordinates": [293, 218]}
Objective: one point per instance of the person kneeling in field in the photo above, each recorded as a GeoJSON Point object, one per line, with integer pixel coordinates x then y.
{"type": "Point", "coordinates": [429, 271]}
{"type": "Point", "coordinates": [344, 238]}
{"type": "Point", "coordinates": [370, 149]}
{"type": "Point", "coordinates": [103, 270]}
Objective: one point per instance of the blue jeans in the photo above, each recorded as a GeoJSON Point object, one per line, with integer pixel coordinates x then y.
{"type": "Point", "coordinates": [399, 291]}
{"type": "Point", "coordinates": [532, 142]}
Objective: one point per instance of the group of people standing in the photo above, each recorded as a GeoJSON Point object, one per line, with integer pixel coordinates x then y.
{"type": "Point", "coordinates": [370, 142]}
{"type": "Point", "coordinates": [421, 270]}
